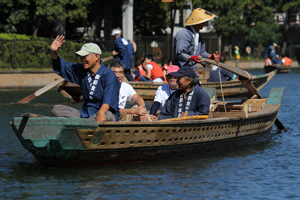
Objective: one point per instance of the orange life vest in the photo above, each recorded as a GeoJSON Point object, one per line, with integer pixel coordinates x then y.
{"type": "Point", "coordinates": [141, 71]}
{"type": "Point", "coordinates": [266, 61]}
{"type": "Point", "coordinates": [156, 71]}
{"type": "Point", "coordinates": [288, 61]}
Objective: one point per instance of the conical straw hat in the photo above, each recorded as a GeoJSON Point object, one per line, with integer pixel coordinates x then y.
{"type": "Point", "coordinates": [199, 16]}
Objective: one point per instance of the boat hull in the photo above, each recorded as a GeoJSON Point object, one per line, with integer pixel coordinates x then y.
{"type": "Point", "coordinates": [59, 141]}
{"type": "Point", "coordinates": [279, 68]}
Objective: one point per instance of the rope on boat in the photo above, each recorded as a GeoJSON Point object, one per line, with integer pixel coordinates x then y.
{"type": "Point", "coordinates": [221, 87]}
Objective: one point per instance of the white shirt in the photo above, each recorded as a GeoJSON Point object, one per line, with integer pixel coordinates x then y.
{"type": "Point", "coordinates": [162, 94]}
{"type": "Point", "coordinates": [125, 94]}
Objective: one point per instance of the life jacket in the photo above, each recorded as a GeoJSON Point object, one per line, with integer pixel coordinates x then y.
{"type": "Point", "coordinates": [266, 61]}
{"type": "Point", "coordinates": [156, 71]}
{"type": "Point", "coordinates": [141, 71]}
{"type": "Point", "coordinates": [288, 61]}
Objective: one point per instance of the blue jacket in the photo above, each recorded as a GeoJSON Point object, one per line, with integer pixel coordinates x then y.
{"type": "Point", "coordinates": [214, 75]}
{"type": "Point", "coordinates": [183, 48]}
{"type": "Point", "coordinates": [106, 90]}
{"type": "Point", "coordinates": [125, 52]}
{"type": "Point", "coordinates": [199, 104]}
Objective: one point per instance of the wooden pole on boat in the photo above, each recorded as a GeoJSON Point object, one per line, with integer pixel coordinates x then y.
{"type": "Point", "coordinates": [246, 80]}
{"type": "Point", "coordinates": [185, 118]}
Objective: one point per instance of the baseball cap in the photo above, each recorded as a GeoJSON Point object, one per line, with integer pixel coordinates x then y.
{"type": "Point", "coordinates": [89, 48]}
{"type": "Point", "coordinates": [115, 32]}
{"type": "Point", "coordinates": [184, 71]}
{"type": "Point", "coordinates": [172, 68]}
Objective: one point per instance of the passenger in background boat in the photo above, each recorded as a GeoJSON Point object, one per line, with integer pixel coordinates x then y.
{"type": "Point", "coordinates": [188, 44]}
{"type": "Point", "coordinates": [286, 60]}
{"type": "Point", "coordinates": [163, 92]}
{"type": "Point", "coordinates": [153, 71]}
{"type": "Point", "coordinates": [127, 93]}
{"type": "Point", "coordinates": [99, 85]}
{"type": "Point", "coordinates": [271, 51]}
{"type": "Point", "coordinates": [277, 60]}
{"type": "Point", "coordinates": [268, 61]}
{"type": "Point", "coordinates": [214, 73]}
{"type": "Point", "coordinates": [123, 52]}
{"type": "Point", "coordinates": [139, 71]}
{"type": "Point", "coordinates": [190, 99]}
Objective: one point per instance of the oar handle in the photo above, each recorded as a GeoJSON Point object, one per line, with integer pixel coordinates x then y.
{"type": "Point", "coordinates": [186, 118]}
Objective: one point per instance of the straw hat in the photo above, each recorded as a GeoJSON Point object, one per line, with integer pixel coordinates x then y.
{"type": "Point", "coordinates": [199, 16]}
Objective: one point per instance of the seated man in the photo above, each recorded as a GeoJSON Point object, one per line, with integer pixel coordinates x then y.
{"type": "Point", "coordinates": [163, 92]}
{"type": "Point", "coordinates": [214, 73]}
{"type": "Point", "coordinates": [99, 86]}
{"type": "Point", "coordinates": [190, 99]}
{"type": "Point", "coordinates": [153, 71]}
{"type": "Point", "coordinates": [127, 93]}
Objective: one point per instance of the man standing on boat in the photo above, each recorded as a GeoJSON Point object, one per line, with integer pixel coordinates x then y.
{"type": "Point", "coordinates": [163, 92]}
{"type": "Point", "coordinates": [190, 99]}
{"type": "Point", "coordinates": [188, 45]}
{"type": "Point", "coordinates": [99, 85]}
{"type": "Point", "coordinates": [123, 52]}
{"type": "Point", "coordinates": [271, 52]}
{"type": "Point", "coordinates": [127, 93]}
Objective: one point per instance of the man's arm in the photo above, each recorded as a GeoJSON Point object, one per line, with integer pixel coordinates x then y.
{"type": "Point", "coordinates": [101, 113]}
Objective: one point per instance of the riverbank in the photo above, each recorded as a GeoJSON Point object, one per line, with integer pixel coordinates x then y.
{"type": "Point", "coordinates": [15, 79]}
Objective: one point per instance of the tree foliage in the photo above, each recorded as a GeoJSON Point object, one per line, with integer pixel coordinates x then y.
{"type": "Point", "coordinates": [151, 18]}
{"type": "Point", "coordinates": [28, 16]}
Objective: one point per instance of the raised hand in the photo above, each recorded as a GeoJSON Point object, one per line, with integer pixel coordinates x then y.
{"type": "Point", "coordinates": [57, 43]}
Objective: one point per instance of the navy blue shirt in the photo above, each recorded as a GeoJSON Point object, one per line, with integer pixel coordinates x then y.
{"type": "Point", "coordinates": [103, 88]}
{"type": "Point", "coordinates": [199, 104]}
{"type": "Point", "coordinates": [225, 75]}
{"type": "Point", "coordinates": [125, 51]}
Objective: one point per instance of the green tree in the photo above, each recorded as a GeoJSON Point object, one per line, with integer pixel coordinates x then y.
{"type": "Point", "coordinates": [241, 17]}
{"type": "Point", "coordinates": [151, 18]}
{"type": "Point", "coordinates": [28, 16]}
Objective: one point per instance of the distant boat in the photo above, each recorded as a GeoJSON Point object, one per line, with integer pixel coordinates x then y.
{"type": "Point", "coordinates": [279, 68]}
{"type": "Point", "coordinates": [147, 90]}
{"type": "Point", "coordinates": [60, 141]}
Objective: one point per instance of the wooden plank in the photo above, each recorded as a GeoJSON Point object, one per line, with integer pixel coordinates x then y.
{"type": "Point", "coordinates": [275, 96]}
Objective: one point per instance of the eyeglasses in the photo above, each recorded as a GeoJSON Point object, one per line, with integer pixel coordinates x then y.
{"type": "Point", "coordinates": [118, 72]}
{"type": "Point", "coordinates": [84, 57]}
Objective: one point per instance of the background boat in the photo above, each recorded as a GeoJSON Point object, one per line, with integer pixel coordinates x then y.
{"type": "Point", "coordinates": [147, 90]}
{"type": "Point", "coordinates": [278, 68]}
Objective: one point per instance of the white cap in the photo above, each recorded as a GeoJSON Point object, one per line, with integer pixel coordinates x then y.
{"type": "Point", "coordinates": [115, 32]}
{"type": "Point", "coordinates": [89, 48]}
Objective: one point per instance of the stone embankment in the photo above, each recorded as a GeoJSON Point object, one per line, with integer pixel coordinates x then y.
{"type": "Point", "coordinates": [35, 79]}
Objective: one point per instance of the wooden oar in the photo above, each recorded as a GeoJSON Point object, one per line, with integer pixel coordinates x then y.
{"type": "Point", "coordinates": [246, 80]}
{"type": "Point", "coordinates": [185, 118]}
{"type": "Point", "coordinates": [40, 91]}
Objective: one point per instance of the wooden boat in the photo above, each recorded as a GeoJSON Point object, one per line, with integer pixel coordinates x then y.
{"type": "Point", "coordinates": [59, 141]}
{"type": "Point", "coordinates": [147, 90]}
{"type": "Point", "coordinates": [278, 68]}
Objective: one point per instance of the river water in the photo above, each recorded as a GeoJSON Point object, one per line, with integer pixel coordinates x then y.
{"type": "Point", "coordinates": [268, 170]}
